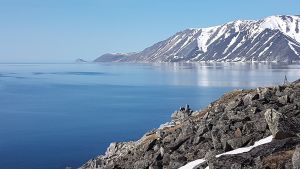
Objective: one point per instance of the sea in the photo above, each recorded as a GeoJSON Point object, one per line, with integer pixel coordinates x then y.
{"type": "Point", "coordinates": [63, 114]}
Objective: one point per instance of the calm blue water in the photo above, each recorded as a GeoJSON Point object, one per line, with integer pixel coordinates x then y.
{"type": "Point", "coordinates": [58, 115]}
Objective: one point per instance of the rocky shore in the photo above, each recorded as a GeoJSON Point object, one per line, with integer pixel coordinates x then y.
{"type": "Point", "coordinates": [238, 119]}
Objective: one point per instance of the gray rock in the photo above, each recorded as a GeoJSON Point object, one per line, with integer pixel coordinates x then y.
{"type": "Point", "coordinates": [211, 155]}
{"type": "Point", "coordinates": [283, 99]}
{"type": "Point", "coordinates": [296, 158]}
{"type": "Point", "coordinates": [115, 149]}
{"type": "Point", "coordinates": [234, 104]}
{"type": "Point", "coordinates": [248, 98]}
{"type": "Point", "coordinates": [264, 93]}
{"type": "Point", "coordinates": [159, 134]}
{"type": "Point", "coordinates": [280, 125]}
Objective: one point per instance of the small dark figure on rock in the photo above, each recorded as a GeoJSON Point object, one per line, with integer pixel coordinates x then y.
{"type": "Point", "coordinates": [285, 82]}
{"type": "Point", "coordinates": [183, 113]}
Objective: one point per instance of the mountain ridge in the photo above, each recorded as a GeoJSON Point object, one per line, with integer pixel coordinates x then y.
{"type": "Point", "coordinates": [273, 39]}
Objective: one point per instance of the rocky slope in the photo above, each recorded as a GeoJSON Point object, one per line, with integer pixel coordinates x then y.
{"type": "Point", "coordinates": [237, 119]}
{"type": "Point", "coordinates": [275, 38]}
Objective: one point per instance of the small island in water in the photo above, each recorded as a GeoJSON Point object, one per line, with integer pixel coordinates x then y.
{"type": "Point", "coordinates": [80, 61]}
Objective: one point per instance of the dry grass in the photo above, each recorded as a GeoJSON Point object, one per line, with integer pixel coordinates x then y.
{"type": "Point", "coordinates": [200, 114]}
{"type": "Point", "coordinates": [149, 138]}
{"type": "Point", "coordinates": [238, 133]}
{"type": "Point", "coordinates": [171, 129]}
{"type": "Point", "coordinates": [277, 159]}
{"type": "Point", "coordinates": [225, 99]}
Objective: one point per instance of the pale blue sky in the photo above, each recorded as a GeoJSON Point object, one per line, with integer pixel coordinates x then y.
{"type": "Point", "coordinates": [63, 30]}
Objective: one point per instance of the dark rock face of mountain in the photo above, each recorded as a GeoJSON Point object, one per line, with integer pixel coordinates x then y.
{"type": "Point", "coordinates": [237, 119]}
{"type": "Point", "coordinates": [275, 38]}
{"type": "Point", "coordinates": [111, 57]}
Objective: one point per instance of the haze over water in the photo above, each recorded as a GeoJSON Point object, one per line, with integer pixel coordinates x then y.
{"type": "Point", "coordinates": [58, 115]}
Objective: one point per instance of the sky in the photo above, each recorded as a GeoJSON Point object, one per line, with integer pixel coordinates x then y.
{"type": "Point", "coordinates": [41, 31]}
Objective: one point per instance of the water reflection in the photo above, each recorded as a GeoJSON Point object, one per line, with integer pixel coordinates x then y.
{"type": "Point", "coordinates": [230, 74]}
{"type": "Point", "coordinates": [139, 74]}
{"type": "Point", "coordinates": [91, 103]}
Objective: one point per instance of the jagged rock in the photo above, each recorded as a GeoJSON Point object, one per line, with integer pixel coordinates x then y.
{"type": "Point", "coordinates": [283, 99]}
{"type": "Point", "coordinates": [215, 136]}
{"type": "Point", "coordinates": [234, 104]}
{"type": "Point", "coordinates": [248, 98]}
{"type": "Point", "coordinates": [280, 125]}
{"type": "Point", "coordinates": [238, 142]}
{"type": "Point", "coordinates": [261, 126]}
{"type": "Point", "coordinates": [159, 134]}
{"type": "Point", "coordinates": [162, 151]}
{"type": "Point", "coordinates": [296, 158]}
{"type": "Point", "coordinates": [115, 149]}
{"type": "Point", "coordinates": [211, 155]}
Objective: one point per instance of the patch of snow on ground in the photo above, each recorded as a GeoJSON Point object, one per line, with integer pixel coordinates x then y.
{"type": "Point", "coordinates": [193, 164]}
{"type": "Point", "coordinates": [246, 149]}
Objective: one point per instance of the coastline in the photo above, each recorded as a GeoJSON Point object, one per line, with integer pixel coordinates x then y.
{"type": "Point", "coordinates": [235, 120]}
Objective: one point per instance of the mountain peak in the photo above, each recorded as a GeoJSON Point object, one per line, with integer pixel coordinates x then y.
{"type": "Point", "coordinates": [274, 38]}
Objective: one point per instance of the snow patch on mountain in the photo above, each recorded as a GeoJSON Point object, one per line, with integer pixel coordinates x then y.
{"type": "Point", "coordinates": [206, 34]}
{"type": "Point", "coordinates": [287, 24]}
{"type": "Point", "coordinates": [275, 38]}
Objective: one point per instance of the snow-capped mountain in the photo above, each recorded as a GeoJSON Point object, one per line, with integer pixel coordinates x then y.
{"type": "Point", "coordinates": [275, 38]}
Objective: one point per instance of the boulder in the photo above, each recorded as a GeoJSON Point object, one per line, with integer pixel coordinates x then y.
{"type": "Point", "coordinates": [264, 93]}
{"type": "Point", "coordinates": [283, 99]}
{"type": "Point", "coordinates": [296, 158]}
{"type": "Point", "coordinates": [234, 104]}
{"type": "Point", "coordinates": [248, 98]}
{"type": "Point", "coordinates": [280, 125]}
{"type": "Point", "coordinates": [211, 155]}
